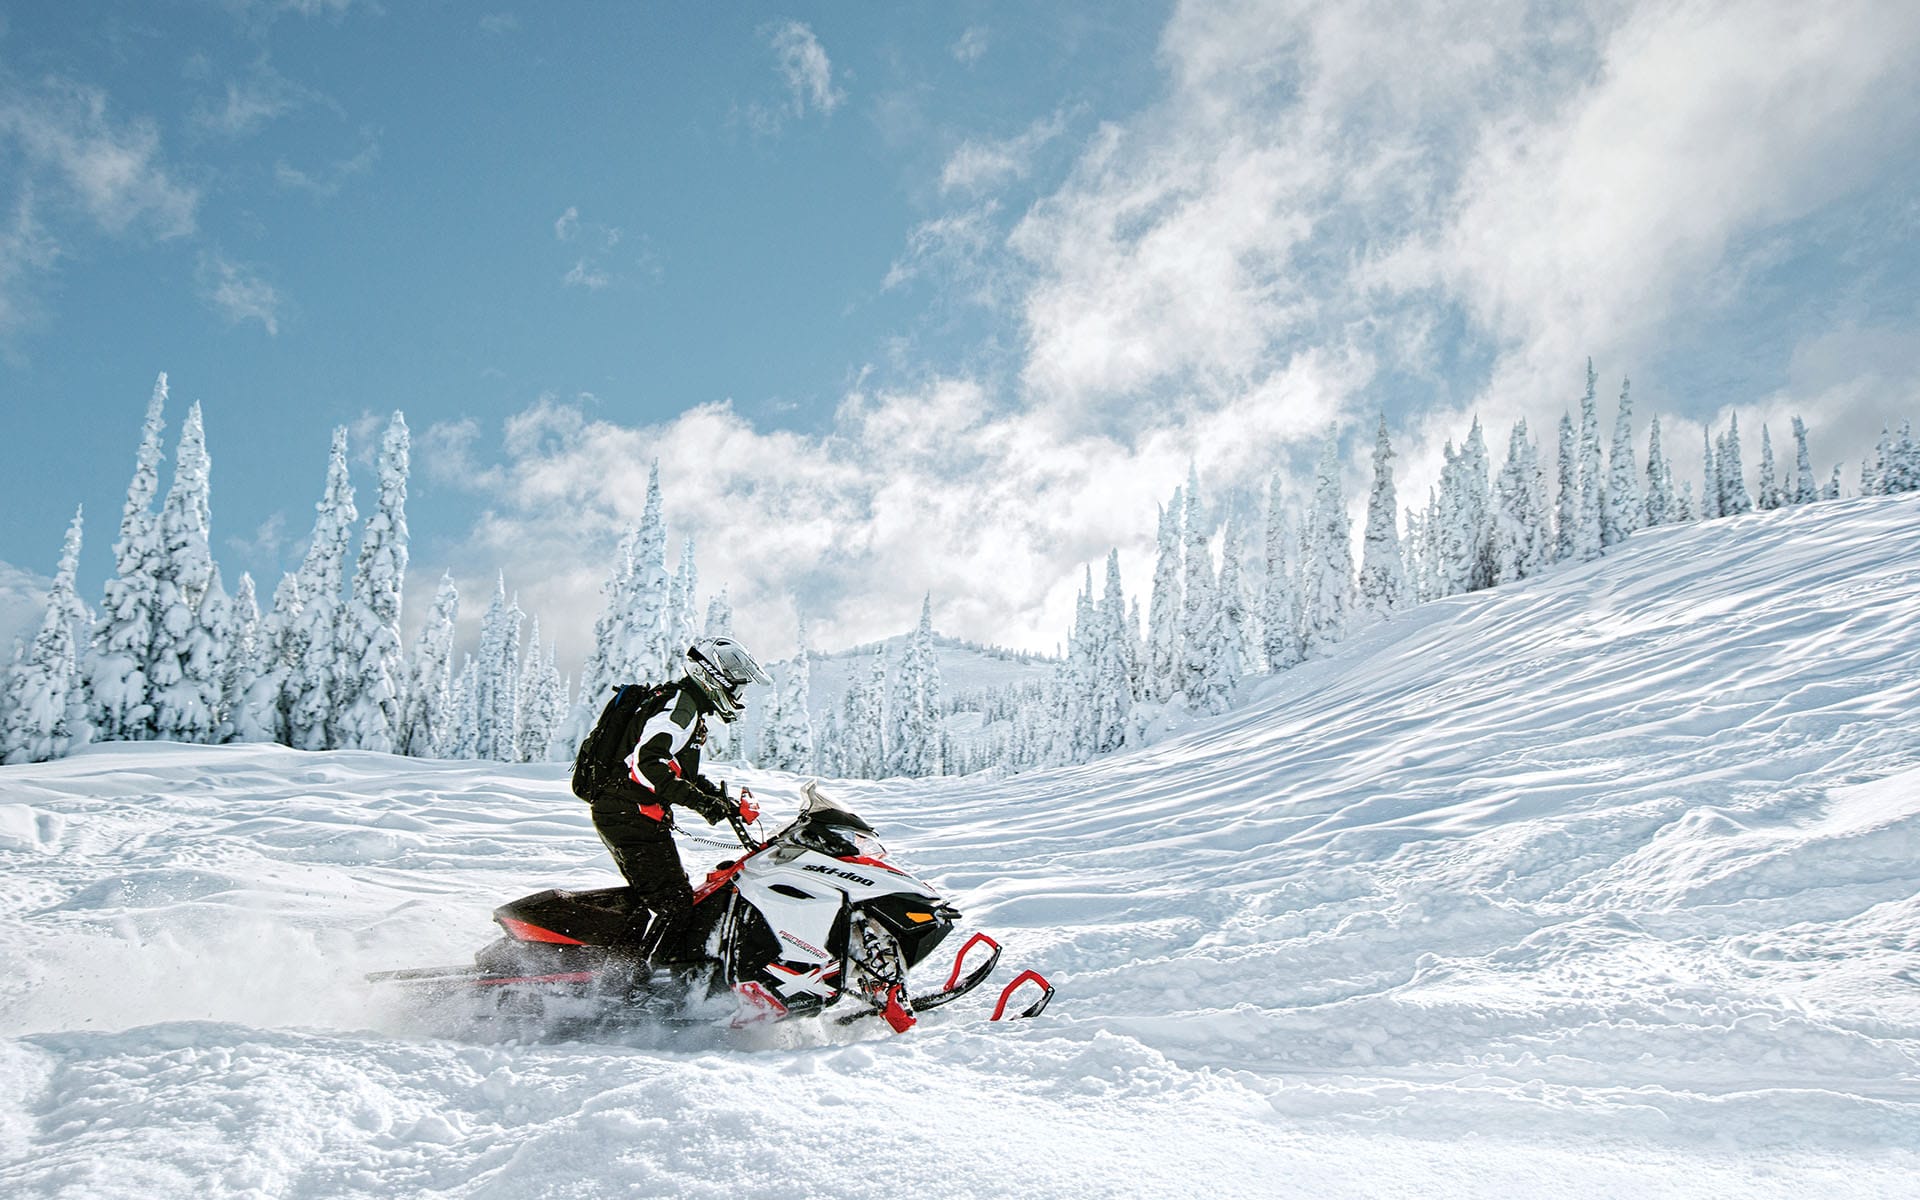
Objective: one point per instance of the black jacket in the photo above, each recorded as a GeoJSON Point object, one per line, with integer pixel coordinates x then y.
{"type": "Point", "coordinates": [664, 767]}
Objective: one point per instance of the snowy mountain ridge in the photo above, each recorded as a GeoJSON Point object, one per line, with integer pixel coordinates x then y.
{"type": "Point", "coordinates": [1603, 883]}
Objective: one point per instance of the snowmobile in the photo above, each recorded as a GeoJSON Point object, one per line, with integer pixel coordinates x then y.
{"type": "Point", "coordinates": [813, 921]}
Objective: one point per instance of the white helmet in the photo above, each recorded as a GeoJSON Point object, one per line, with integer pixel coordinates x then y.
{"type": "Point", "coordinates": [720, 667]}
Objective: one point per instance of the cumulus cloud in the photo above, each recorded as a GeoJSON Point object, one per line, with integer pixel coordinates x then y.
{"type": "Point", "coordinates": [239, 293]}
{"type": "Point", "coordinates": [1426, 207]}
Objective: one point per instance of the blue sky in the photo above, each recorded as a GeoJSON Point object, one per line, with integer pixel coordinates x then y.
{"type": "Point", "coordinates": [917, 298]}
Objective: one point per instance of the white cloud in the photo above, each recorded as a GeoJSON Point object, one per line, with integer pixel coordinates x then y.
{"type": "Point", "coordinates": [981, 165]}
{"type": "Point", "coordinates": [111, 170]}
{"type": "Point", "coordinates": [568, 224]}
{"type": "Point", "coordinates": [239, 293]}
{"type": "Point", "coordinates": [327, 184]}
{"type": "Point", "coordinates": [584, 275]}
{"type": "Point", "coordinates": [251, 103]}
{"type": "Point", "coordinates": [972, 46]}
{"type": "Point", "coordinates": [805, 68]}
{"type": "Point", "coordinates": [75, 171]}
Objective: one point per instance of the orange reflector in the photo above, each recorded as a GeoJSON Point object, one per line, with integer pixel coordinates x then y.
{"type": "Point", "coordinates": [919, 918]}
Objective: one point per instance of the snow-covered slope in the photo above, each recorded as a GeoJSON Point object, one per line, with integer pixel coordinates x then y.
{"type": "Point", "coordinates": [1604, 884]}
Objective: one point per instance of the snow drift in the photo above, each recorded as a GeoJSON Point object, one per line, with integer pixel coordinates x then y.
{"type": "Point", "coordinates": [1604, 882]}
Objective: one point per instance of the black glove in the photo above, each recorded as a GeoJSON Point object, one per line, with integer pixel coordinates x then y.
{"type": "Point", "coordinates": [712, 806]}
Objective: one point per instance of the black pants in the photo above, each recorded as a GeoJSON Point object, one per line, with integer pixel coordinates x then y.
{"type": "Point", "coordinates": [643, 850]}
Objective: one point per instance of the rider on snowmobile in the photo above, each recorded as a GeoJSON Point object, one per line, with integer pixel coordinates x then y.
{"type": "Point", "coordinates": [633, 815]}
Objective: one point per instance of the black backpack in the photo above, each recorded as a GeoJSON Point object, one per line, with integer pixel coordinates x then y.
{"type": "Point", "coordinates": [602, 758]}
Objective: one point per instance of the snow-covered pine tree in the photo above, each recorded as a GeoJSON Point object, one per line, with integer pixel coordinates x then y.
{"type": "Point", "coordinates": [1233, 620]}
{"type": "Point", "coordinates": [1416, 543]}
{"type": "Point", "coordinates": [1660, 500]}
{"type": "Point", "coordinates": [1113, 667]}
{"type": "Point", "coordinates": [1327, 554]}
{"type": "Point", "coordinates": [116, 662]}
{"type": "Point", "coordinates": [1464, 526]}
{"type": "Point", "coordinates": [648, 633]}
{"type": "Point", "coordinates": [464, 731]}
{"type": "Point", "coordinates": [1587, 542]}
{"type": "Point", "coordinates": [184, 671]}
{"type": "Point", "coordinates": [1083, 650]}
{"type": "Point", "coordinates": [1710, 486]}
{"type": "Point", "coordinates": [1625, 511]}
{"type": "Point", "coordinates": [247, 715]}
{"type": "Point", "coordinates": [1734, 498]}
{"type": "Point", "coordinates": [796, 721]}
{"type": "Point", "coordinates": [497, 677]}
{"type": "Point", "coordinates": [771, 746]}
{"type": "Point", "coordinates": [1279, 602]}
{"type": "Point", "coordinates": [913, 719]}
{"type": "Point", "coordinates": [315, 679]}
{"type": "Point", "coordinates": [720, 615]}
{"type": "Point", "coordinates": [47, 711]}
{"type": "Point", "coordinates": [373, 676]}
{"type": "Point", "coordinates": [683, 603]}
{"type": "Point", "coordinates": [281, 651]}
{"type": "Point", "coordinates": [1567, 508]}
{"type": "Point", "coordinates": [1902, 472]}
{"type": "Point", "coordinates": [1769, 497]}
{"type": "Point", "coordinates": [1832, 490]}
{"type": "Point", "coordinates": [1200, 642]}
{"type": "Point", "coordinates": [1805, 489]}
{"type": "Point", "coordinates": [1520, 511]}
{"type": "Point", "coordinates": [1383, 570]}
{"type": "Point", "coordinates": [543, 704]}
{"type": "Point", "coordinates": [429, 696]}
{"type": "Point", "coordinates": [1164, 607]}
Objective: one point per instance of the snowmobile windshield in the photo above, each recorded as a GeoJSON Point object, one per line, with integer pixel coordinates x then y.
{"type": "Point", "coordinates": [831, 829]}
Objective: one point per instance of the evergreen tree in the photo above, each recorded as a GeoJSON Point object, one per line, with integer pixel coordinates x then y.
{"type": "Point", "coordinates": [497, 677]}
{"type": "Point", "coordinates": [1805, 490]}
{"type": "Point", "coordinates": [1327, 554]}
{"type": "Point", "coordinates": [1660, 499]}
{"type": "Point", "coordinates": [648, 630]}
{"type": "Point", "coordinates": [46, 713]}
{"type": "Point", "coordinates": [1520, 522]}
{"type": "Point", "coordinates": [683, 604]}
{"type": "Point", "coordinates": [1232, 633]}
{"type": "Point", "coordinates": [1163, 612]}
{"type": "Point", "coordinates": [116, 663]}
{"type": "Point", "coordinates": [796, 720]}
{"type": "Point", "coordinates": [1832, 490]}
{"type": "Point", "coordinates": [1383, 572]}
{"type": "Point", "coordinates": [1734, 498]}
{"type": "Point", "coordinates": [1279, 602]}
{"type": "Point", "coordinates": [184, 671]}
{"type": "Point", "coordinates": [1113, 667]}
{"type": "Point", "coordinates": [1625, 511]}
{"type": "Point", "coordinates": [1587, 542]}
{"type": "Point", "coordinates": [247, 714]}
{"type": "Point", "coordinates": [772, 752]}
{"type": "Point", "coordinates": [913, 716]}
{"type": "Point", "coordinates": [465, 732]}
{"type": "Point", "coordinates": [720, 615]}
{"type": "Point", "coordinates": [373, 676]}
{"type": "Point", "coordinates": [1567, 509]}
{"type": "Point", "coordinates": [281, 651]}
{"type": "Point", "coordinates": [316, 673]}
{"type": "Point", "coordinates": [543, 702]}
{"type": "Point", "coordinates": [1462, 528]}
{"type": "Point", "coordinates": [1710, 484]}
{"type": "Point", "coordinates": [1770, 496]}
{"type": "Point", "coordinates": [429, 697]}
{"type": "Point", "coordinates": [1200, 644]}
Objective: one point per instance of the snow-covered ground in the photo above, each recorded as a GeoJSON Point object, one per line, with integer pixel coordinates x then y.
{"type": "Point", "coordinates": [1601, 885]}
